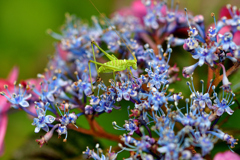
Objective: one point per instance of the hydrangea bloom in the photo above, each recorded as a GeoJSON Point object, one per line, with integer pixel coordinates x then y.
{"type": "Point", "coordinates": [158, 125]}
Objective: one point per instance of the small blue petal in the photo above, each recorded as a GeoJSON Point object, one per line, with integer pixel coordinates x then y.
{"type": "Point", "coordinates": [45, 128]}
{"type": "Point", "coordinates": [37, 129]}
{"type": "Point", "coordinates": [49, 119]}
{"type": "Point", "coordinates": [24, 103]}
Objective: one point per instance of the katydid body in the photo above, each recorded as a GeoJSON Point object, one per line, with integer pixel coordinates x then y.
{"type": "Point", "coordinates": [113, 65]}
{"type": "Point", "coordinates": [119, 64]}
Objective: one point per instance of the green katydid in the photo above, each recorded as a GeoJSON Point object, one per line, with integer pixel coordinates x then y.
{"type": "Point", "coordinates": [114, 64]}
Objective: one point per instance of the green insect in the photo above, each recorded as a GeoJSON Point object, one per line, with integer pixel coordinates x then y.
{"type": "Point", "coordinates": [114, 64]}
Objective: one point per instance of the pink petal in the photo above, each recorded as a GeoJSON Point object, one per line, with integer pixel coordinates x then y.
{"type": "Point", "coordinates": [225, 29]}
{"type": "Point", "coordinates": [35, 82]}
{"type": "Point", "coordinates": [125, 11]}
{"type": "Point", "coordinates": [32, 109]}
{"type": "Point", "coordinates": [228, 155]}
{"type": "Point", "coordinates": [3, 82]}
{"type": "Point", "coordinates": [236, 37]}
{"type": "Point", "coordinates": [231, 155]}
{"type": "Point", "coordinates": [62, 53]}
{"type": "Point", "coordinates": [229, 54]}
{"type": "Point", "coordinates": [13, 74]}
{"type": "Point", "coordinates": [139, 9]}
{"type": "Point", "coordinates": [164, 10]}
{"type": "Point", "coordinates": [224, 13]}
{"type": "Point", "coordinates": [219, 156]}
{"type": "Point", "coordinates": [3, 128]}
{"type": "Point", "coordinates": [4, 105]}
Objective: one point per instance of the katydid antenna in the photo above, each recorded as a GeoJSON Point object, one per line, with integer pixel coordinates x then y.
{"type": "Point", "coordinates": [113, 28]}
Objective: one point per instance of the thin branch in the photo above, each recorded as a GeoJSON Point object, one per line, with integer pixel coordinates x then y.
{"type": "Point", "coordinates": [148, 40]}
{"type": "Point", "coordinates": [90, 121]}
{"type": "Point", "coordinates": [210, 75]}
{"type": "Point", "coordinates": [96, 134]}
{"type": "Point", "coordinates": [98, 127]}
{"type": "Point", "coordinates": [219, 78]}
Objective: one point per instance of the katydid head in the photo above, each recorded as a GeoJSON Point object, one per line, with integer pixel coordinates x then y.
{"type": "Point", "coordinates": [133, 64]}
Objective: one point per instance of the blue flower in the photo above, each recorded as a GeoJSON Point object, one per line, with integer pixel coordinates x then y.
{"type": "Point", "coordinates": [150, 20]}
{"type": "Point", "coordinates": [88, 109]}
{"type": "Point", "coordinates": [110, 36]}
{"type": "Point", "coordinates": [105, 105]}
{"type": "Point", "coordinates": [227, 43]}
{"type": "Point", "coordinates": [171, 150]}
{"type": "Point", "coordinates": [204, 142]}
{"type": "Point", "coordinates": [46, 93]}
{"type": "Point", "coordinates": [71, 43]}
{"type": "Point", "coordinates": [157, 99]}
{"type": "Point", "coordinates": [72, 117]}
{"type": "Point", "coordinates": [212, 33]}
{"type": "Point", "coordinates": [83, 86]}
{"type": "Point", "coordinates": [66, 117]}
{"type": "Point", "coordinates": [65, 120]}
{"type": "Point", "coordinates": [42, 120]}
{"type": "Point", "coordinates": [131, 126]}
{"type": "Point", "coordinates": [99, 155]}
{"type": "Point", "coordinates": [191, 43]}
{"type": "Point", "coordinates": [62, 130]}
{"type": "Point", "coordinates": [123, 92]}
{"type": "Point", "coordinates": [205, 55]}
{"type": "Point", "coordinates": [223, 105]}
{"type": "Point", "coordinates": [225, 137]}
{"type": "Point", "coordinates": [17, 99]}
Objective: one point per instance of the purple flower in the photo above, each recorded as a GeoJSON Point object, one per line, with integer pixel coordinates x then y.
{"type": "Point", "coordinates": [188, 71]}
{"type": "Point", "coordinates": [88, 109]}
{"type": "Point", "coordinates": [131, 126]}
{"type": "Point", "coordinates": [47, 136]}
{"type": "Point", "coordinates": [225, 81]}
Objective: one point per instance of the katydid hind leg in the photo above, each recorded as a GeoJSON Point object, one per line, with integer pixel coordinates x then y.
{"type": "Point", "coordinates": [114, 77]}
{"type": "Point", "coordinates": [105, 65]}
{"type": "Point", "coordinates": [132, 74]}
{"type": "Point", "coordinates": [94, 58]}
{"type": "Point", "coordinates": [90, 74]}
{"type": "Point", "coordinates": [108, 55]}
{"type": "Point", "coordinates": [97, 63]}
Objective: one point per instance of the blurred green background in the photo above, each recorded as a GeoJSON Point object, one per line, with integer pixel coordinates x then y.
{"type": "Point", "coordinates": [24, 43]}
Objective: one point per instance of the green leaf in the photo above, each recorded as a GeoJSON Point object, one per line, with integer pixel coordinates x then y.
{"type": "Point", "coordinates": [234, 79]}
